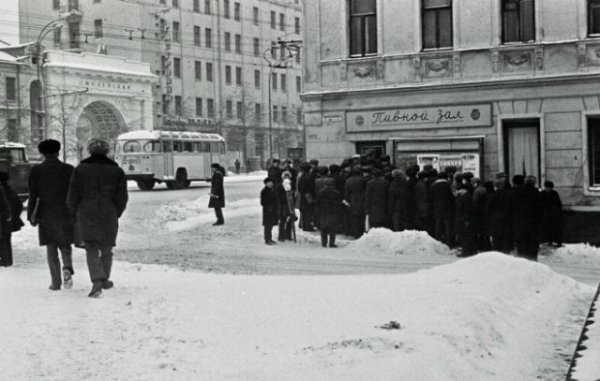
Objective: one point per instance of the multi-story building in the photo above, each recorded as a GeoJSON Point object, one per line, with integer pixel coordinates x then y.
{"type": "Point", "coordinates": [491, 86]}
{"type": "Point", "coordinates": [208, 56]}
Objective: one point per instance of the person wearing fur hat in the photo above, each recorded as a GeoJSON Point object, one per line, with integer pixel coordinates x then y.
{"type": "Point", "coordinates": [97, 198]}
{"type": "Point", "coordinates": [270, 212]}
{"type": "Point", "coordinates": [47, 209]}
{"type": "Point", "coordinates": [15, 224]}
{"type": "Point", "coordinates": [217, 193]}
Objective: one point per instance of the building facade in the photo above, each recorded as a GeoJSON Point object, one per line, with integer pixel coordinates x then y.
{"type": "Point", "coordinates": [209, 57]}
{"type": "Point", "coordinates": [490, 86]}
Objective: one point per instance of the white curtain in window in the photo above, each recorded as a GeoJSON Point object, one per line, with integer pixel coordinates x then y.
{"type": "Point", "coordinates": [523, 151]}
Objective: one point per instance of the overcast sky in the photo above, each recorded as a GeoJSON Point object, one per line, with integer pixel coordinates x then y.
{"type": "Point", "coordinates": [9, 21]}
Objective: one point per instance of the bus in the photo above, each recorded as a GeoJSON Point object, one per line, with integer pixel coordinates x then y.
{"type": "Point", "coordinates": [174, 157]}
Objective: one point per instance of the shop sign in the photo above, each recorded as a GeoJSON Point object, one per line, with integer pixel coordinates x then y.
{"type": "Point", "coordinates": [420, 117]}
{"type": "Point", "coordinates": [464, 162]}
{"type": "Point", "coordinates": [329, 119]}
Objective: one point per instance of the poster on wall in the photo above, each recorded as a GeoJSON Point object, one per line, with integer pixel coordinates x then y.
{"type": "Point", "coordinates": [463, 161]}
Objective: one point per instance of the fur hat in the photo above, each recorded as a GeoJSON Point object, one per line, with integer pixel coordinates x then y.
{"type": "Point", "coordinates": [267, 180]}
{"type": "Point", "coordinates": [98, 147]}
{"type": "Point", "coordinates": [49, 146]}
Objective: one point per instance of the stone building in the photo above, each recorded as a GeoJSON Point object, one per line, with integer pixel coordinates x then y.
{"type": "Point", "coordinates": [208, 56]}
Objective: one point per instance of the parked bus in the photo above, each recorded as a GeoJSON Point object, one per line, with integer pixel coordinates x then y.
{"type": "Point", "coordinates": [173, 157]}
{"type": "Point", "coordinates": [13, 160]}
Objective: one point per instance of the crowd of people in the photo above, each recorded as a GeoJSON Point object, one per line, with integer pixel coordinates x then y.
{"type": "Point", "coordinates": [455, 208]}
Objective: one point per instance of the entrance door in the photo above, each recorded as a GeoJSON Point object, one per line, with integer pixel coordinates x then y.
{"type": "Point", "coordinates": [522, 147]}
{"type": "Point", "coordinates": [377, 147]}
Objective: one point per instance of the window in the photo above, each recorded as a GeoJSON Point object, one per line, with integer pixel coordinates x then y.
{"type": "Point", "coordinates": [594, 150]}
{"type": "Point", "coordinates": [196, 5]}
{"type": "Point", "coordinates": [176, 34]}
{"type": "Point", "coordinates": [299, 116]}
{"type": "Point", "coordinates": [518, 21]}
{"type": "Point", "coordinates": [198, 106]}
{"type": "Point", "coordinates": [437, 24]}
{"type": "Point", "coordinates": [210, 107]}
{"type": "Point", "coordinates": [188, 147]}
{"type": "Point", "coordinates": [73, 4]}
{"type": "Point", "coordinates": [297, 25]}
{"type": "Point", "coordinates": [363, 27]}
{"type": "Point", "coordinates": [226, 9]}
{"type": "Point", "coordinates": [227, 75]}
{"type": "Point", "coordinates": [257, 79]}
{"type": "Point", "coordinates": [177, 67]}
{"type": "Point", "coordinates": [11, 89]}
{"type": "Point", "coordinates": [198, 70]}
{"type": "Point", "coordinates": [163, 1]}
{"type": "Point", "coordinates": [227, 41]}
{"type": "Point", "coordinates": [238, 44]}
{"type": "Point", "coordinates": [197, 35]}
{"type": "Point", "coordinates": [56, 5]}
{"type": "Point", "coordinates": [240, 110]}
{"type": "Point", "coordinates": [593, 17]}
{"type": "Point", "coordinates": [208, 37]}
{"type": "Point", "coordinates": [255, 15]}
{"type": "Point", "coordinates": [132, 146]}
{"type": "Point", "coordinates": [209, 71]}
{"type": "Point", "coordinates": [238, 76]}
{"type": "Point", "coordinates": [274, 50]}
{"type": "Point", "coordinates": [165, 104]}
{"type": "Point", "coordinates": [74, 32]}
{"type": "Point", "coordinates": [273, 20]}
{"type": "Point", "coordinates": [282, 51]}
{"type": "Point", "coordinates": [229, 109]}
{"type": "Point", "coordinates": [298, 84]}
{"type": "Point", "coordinates": [178, 104]}
{"type": "Point", "coordinates": [57, 36]}
{"type": "Point", "coordinates": [236, 11]}
{"type": "Point", "coordinates": [275, 114]}
{"type": "Point", "coordinates": [12, 134]}
{"type": "Point", "coordinates": [283, 114]}
{"type": "Point", "coordinates": [98, 28]}
{"type": "Point", "coordinates": [283, 82]}
{"type": "Point", "coordinates": [258, 112]}
{"type": "Point", "coordinates": [207, 7]}
{"type": "Point", "coordinates": [176, 3]}
{"type": "Point", "coordinates": [298, 50]}
{"type": "Point", "coordinates": [256, 47]}
{"type": "Point", "coordinates": [281, 22]}
{"type": "Point", "coordinates": [177, 146]}
{"type": "Point", "coordinates": [274, 81]}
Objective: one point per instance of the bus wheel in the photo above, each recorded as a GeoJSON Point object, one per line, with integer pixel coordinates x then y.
{"type": "Point", "coordinates": [180, 179]}
{"type": "Point", "coordinates": [145, 185]}
{"type": "Point", "coordinates": [170, 184]}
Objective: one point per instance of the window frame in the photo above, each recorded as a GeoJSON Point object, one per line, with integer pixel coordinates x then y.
{"type": "Point", "coordinates": [364, 31]}
{"type": "Point", "coordinates": [228, 79]}
{"type": "Point", "coordinates": [237, 11]}
{"type": "Point", "coordinates": [437, 11]}
{"type": "Point", "coordinates": [11, 90]}
{"type": "Point", "coordinates": [520, 33]}
{"type": "Point", "coordinates": [198, 70]}
{"type": "Point", "coordinates": [199, 106]}
{"type": "Point", "coordinates": [238, 76]}
{"type": "Point", "coordinates": [592, 184]}
{"type": "Point", "coordinates": [590, 18]}
{"type": "Point", "coordinates": [197, 35]}
{"type": "Point", "coordinates": [97, 28]}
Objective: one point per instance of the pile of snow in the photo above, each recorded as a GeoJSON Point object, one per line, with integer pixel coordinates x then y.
{"type": "Point", "coordinates": [489, 317]}
{"type": "Point", "coordinates": [405, 242]}
{"type": "Point", "coordinates": [186, 215]}
{"type": "Point", "coordinates": [580, 253]}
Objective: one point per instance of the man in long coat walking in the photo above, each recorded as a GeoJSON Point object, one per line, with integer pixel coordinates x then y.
{"type": "Point", "coordinates": [217, 193]}
{"type": "Point", "coordinates": [270, 210]}
{"type": "Point", "coordinates": [47, 208]}
{"type": "Point", "coordinates": [355, 199]}
{"type": "Point", "coordinates": [98, 197]}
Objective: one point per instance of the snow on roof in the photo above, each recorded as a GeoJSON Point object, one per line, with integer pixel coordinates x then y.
{"type": "Point", "coordinates": [11, 145]}
{"type": "Point", "coordinates": [157, 134]}
{"type": "Point", "coordinates": [7, 57]}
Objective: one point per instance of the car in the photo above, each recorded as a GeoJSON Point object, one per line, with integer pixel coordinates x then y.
{"type": "Point", "coordinates": [13, 160]}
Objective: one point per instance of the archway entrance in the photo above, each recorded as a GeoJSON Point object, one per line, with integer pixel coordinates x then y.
{"type": "Point", "coordinates": [99, 119]}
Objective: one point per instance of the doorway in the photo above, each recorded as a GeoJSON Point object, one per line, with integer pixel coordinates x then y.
{"type": "Point", "coordinates": [376, 147]}
{"type": "Point", "coordinates": [522, 147]}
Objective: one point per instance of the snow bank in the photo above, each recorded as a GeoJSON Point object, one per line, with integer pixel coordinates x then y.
{"type": "Point", "coordinates": [409, 241]}
{"type": "Point", "coordinates": [489, 317]}
{"type": "Point", "coordinates": [580, 253]}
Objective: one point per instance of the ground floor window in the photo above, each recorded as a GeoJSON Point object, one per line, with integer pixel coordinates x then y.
{"type": "Point", "coordinates": [522, 147]}
{"type": "Point", "coordinates": [594, 150]}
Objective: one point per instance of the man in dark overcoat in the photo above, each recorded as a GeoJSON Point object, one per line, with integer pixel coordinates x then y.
{"type": "Point", "coordinates": [354, 198]}
{"type": "Point", "coordinates": [551, 220]}
{"type": "Point", "coordinates": [329, 203]}
{"type": "Point", "coordinates": [8, 227]}
{"type": "Point", "coordinates": [97, 198]}
{"type": "Point", "coordinates": [275, 171]}
{"type": "Point", "coordinates": [47, 208]}
{"type": "Point", "coordinates": [376, 197]}
{"type": "Point", "coordinates": [465, 217]}
{"type": "Point", "coordinates": [270, 210]}
{"type": "Point", "coordinates": [285, 205]}
{"type": "Point", "coordinates": [442, 202]}
{"type": "Point", "coordinates": [397, 199]}
{"type": "Point", "coordinates": [526, 209]}
{"type": "Point", "coordinates": [497, 214]}
{"type": "Point", "coordinates": [217, 193]}
{"type": "Point", "coordinates": [307, 196]}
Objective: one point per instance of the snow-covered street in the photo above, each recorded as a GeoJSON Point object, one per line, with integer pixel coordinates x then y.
{"type": "Point", "coordinates": [243, 310]}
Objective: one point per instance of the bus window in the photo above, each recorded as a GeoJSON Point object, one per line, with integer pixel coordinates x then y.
{"type": "Point", "coordinates": [204, 147]}
{"type": "Point", "coordinates": [188, 146]}
{"type": "Point", "coordinates": [214, 148]}
{"type": "Point", "coordinates": [177, 146]}
{"type": "Point", "coordinates": [222, 148]}
{"type": "Point", "coordinates": [197, 147]}
{"type": "Point", "coordinates": [153, 146]}
{"type": "Point", "coordinates": [18, 155]}
{"type": "Point", "coordinates": [166, 145]}
{"type": "Point", "coordinates": [132, 146]}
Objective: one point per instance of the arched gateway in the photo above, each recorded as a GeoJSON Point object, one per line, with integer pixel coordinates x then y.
{"type": "Point", "coordinates": [99, 119]}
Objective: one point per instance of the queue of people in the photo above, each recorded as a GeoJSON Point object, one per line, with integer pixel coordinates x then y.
{"type": "Point", "coordinates": [457, 209]}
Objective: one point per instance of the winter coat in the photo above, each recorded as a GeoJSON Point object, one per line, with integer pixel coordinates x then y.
{"type": "Point", "coordinates": [5, 214]}
{"type": "Point", "coordinates": [270, 210]}
{"type": "Point", "coordinates": [216, 189]}
{"type": "Point", "coordinates": [526, 211]}
{"type": "Point", "coordinates": [275, 174]}
{"type": "Point", "coordinates": [551, 206]}
{"type": "Point", "coordinates": [320, 183]}
{"type": "Point", "coordinates": [422, 202]}
{"type": "Point", "coordinates": [97, 197]}
{"type": "Point", "coordinates": [398, 196]}
{"type": "Point", "coordinates": [48, 188]}
{"type": "Point", "coordinates": [442, 199]}
{"type": "Point", "coordinates": [329, 202]}
{"type": "Point", "coordinates": [497, 213]}
{"type": "Point", "coordinates": [355, 194]}
{"type": "Point", "coordinates": [306, 189]}
{"type": "Point", "coordinates": [411, 208]}
{"type": "Point", "coordinates": [16, 208]}
{"type": "Point", "coordinates": [480, 199]}
{"type": "Point", "coordinates": [465, 211]}
{"type": "Point", "coordinates": [376, 196]}
{"type": "Point", "coordinates": [285, 201]}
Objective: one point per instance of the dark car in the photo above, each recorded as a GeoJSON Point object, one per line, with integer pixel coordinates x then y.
{"type": "Point", "coordinates": [13, 160]}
